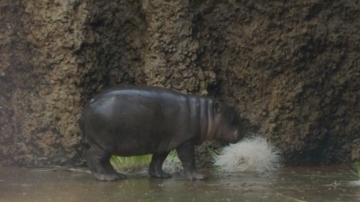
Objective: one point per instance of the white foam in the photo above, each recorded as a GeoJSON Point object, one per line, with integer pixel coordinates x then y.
{"type": "Point", "coordinates": [355, 183]}
{"type": "Point", "coordinates": [252, 154]}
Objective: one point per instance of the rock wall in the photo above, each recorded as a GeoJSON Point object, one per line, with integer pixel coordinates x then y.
{"type": "Point", "coordinates": [41, 100]}
{"type": "Point", "coordinates": [113, 46]}
{"type": "Point", "coordinates": [171, 53]}
{"type": "Point", "coordinates": [290, 68]}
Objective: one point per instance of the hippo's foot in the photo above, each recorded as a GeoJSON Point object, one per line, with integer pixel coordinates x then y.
{"type": "Point", "coordinates": [155, 167]}
{"type": "Point", "coordinates": [110, 173]}
{"type": "Point", "coordinates": [158, 173]}
{"type": "Point", "coordinates": [185, 153]}
{"type": "Point", "coordinates": [105, 172]}
{"type": "Point", "coordinates": [196, 176]}
{"type": "Point", "coordinates": [109, 177]}
{"type": "Point", "coordinates": [99, 165]}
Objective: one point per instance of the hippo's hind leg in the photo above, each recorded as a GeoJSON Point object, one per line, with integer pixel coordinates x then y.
{"type": "Point", "coordinates": [155, 167]}
{"type": "Point", "coordinates": [99, 163]}
{"type": "Point", "coordinates": [186, 153]}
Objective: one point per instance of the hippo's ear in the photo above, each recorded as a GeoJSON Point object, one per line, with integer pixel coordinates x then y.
{"type": "Point", "coordinates": [217, 107]}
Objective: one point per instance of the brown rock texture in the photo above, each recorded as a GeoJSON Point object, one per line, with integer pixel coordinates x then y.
{"type": "Point", "coordinates": [291, 69]}
{"type": "Point", "coordinates": [171, 53]}
{"type": "Point", "coordinates": [40, 101]}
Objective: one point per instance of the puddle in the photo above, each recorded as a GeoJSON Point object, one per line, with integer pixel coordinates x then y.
{"type": "Point", "coordinates": [286, 185]}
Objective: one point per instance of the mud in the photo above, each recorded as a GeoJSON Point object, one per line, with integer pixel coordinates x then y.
{"type": "Point", "coordinates": [288, 185]}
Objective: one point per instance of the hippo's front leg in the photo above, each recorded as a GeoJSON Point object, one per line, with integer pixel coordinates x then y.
{"type": "Point", "coordinates": [186, 153]}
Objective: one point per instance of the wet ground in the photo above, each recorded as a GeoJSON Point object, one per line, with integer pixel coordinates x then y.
{"type": "Point", "coordinates": [288, 184]}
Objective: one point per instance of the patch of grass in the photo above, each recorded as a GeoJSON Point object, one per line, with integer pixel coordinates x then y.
{"type": "Point", "coordinates": [138, 163]}
{"type": "Point", "coordinates": [356, 167]}
{"type": "Point", "coordinates": [214, 154]}
{"type": "Point", "coordinates": [172, 163]}
{"type": "Point", "coordinates": [172, 155]}
{"type": "Point", "coordinates": [131, 163]}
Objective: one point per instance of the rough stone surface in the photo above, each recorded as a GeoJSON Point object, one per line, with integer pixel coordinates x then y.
{"type": "Point", "coordinates": [171, 53]}
{"type": "Point", "coordinates": [290, 68]}
{"type": "Point", "coordinates": [112, 51]}
{"type": "Point", "coordinates": [41, 99]}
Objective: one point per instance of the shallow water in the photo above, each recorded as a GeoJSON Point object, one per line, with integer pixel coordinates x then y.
{"type": "Point", "coordinates": [288, 184]}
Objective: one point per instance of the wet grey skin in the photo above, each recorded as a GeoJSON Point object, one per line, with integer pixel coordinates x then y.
{"type": "Point", "coordinates": [130, 121]}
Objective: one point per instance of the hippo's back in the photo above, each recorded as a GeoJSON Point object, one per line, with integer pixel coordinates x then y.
{"type": "Point", "coordinates": [138, 93]}
{"type": "Point", "coordinates": [149, 116]}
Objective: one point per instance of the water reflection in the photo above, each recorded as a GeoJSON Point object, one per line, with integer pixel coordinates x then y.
{"type": "Point", "coordinates": [289, 184]}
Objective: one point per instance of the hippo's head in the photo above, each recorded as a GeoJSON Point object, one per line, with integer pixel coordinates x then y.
{"type": "Point", "coordinates": [227, 123]}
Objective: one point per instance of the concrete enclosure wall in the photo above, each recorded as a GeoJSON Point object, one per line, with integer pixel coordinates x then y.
{"type": "Point", "coordinates": [291, 69]}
